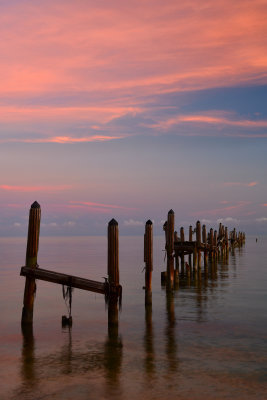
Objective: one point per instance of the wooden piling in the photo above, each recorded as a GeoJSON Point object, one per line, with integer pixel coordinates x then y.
{"type": "Point", "coordinates": [190, 238]}
{"type": "Point", "coordinates": [198, 240]}
{"type": "Point", "coordinates": [204, 240]}
{"type": "Point", "coordinates": [148, 258]}
{"type": "Point", "coordinates": [31, 261]}
{"type": "Point", "coordinates": [176, 256]}
{"type": "Point", "coordinates": [170, 248]}
{"type": "Point", "coordinates": [216, 244]}
{"type": "Point", "coordinates": [113, 273]}
{"type": "Point", "coordinates": [113, 252]}
{"type": "Point", "coordinates": [182, 255]}
{"type": "Point", "coordinates": [211, 243]}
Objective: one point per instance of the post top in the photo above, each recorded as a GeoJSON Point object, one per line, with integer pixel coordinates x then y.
{"type": "Point", "coordinates": [113, 222]}
{"type": "Point", "coordinates": [35, 205]}
{"type": "Point", "coordinates": [171, 211]}
{"type": "Point", "coordinates": [149, 222]}
{"type": "Point", "coordinates": [198, 222]}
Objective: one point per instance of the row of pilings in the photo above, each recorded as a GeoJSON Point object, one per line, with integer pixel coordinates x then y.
{"type": "Point", "coordinates": [184, 258]}
{"type": "Point", "coordinates": [205, 247]}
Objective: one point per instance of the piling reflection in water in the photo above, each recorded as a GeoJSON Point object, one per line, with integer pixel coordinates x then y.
{"type": "Point", "coordinates": [149, 363]}
{"type": "Point", "coordinates": [28, 372]}
{"type": "Point", "coordinates": [113, 348]}
{"type": "Point", "coordinates": [70, 360]}
{"type": "Point", "coordinates": [171, 345]}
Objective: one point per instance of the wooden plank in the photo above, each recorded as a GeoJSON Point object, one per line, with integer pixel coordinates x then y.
{"type": "Point", "coordinates": [64, 279]}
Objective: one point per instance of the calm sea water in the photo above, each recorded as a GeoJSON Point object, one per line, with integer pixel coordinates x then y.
{"type": "Point", "coordinates": [206, 340]}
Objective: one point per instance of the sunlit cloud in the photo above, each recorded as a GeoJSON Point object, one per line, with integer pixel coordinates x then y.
{"type": "Point", "coordinates": [45, 188]}
{"type": "Point", "coordinates": [132, 222]}
{"type": "Point", "coordinates": [205, 221]}
{"type": "Point", "coordinates": [249, 184]}
{"type": "Point", "coordinates": [63, 139]}
{"type": "Point", "coordinates": [227, 220]}
{"type": "Point", "coordinates": [262, 219]}
{"type": "Point", "coordinates": [210, 120]}
{"type": "Point", "coordinates": [195, 46]}
{"type": "Point", "coordinates": [98, 206]}
{"type": "Point", "coordinates": [223, 210]}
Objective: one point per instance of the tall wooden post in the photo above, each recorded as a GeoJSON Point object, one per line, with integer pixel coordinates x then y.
{"type": "Point", "coordinates": [170, 248]}
{"type": "Point", "coordinates": [148, 258]}
{"type": "Point", "coordinates": [113, 272]}
{"type": "Point", "coordinates": [211, 243]}
{"type": "Point", "coordinates": [204, 240]}
{"type": "Point", "coordinates": [176, 255]}
{"type": "Point", "coordinates": [226, 238]}
{"type": "Point", "coordinates": [216, 243]}
{"type": "Point", "coordinates": [182, 255]}
{"type": "Point", "coordinates": [31, 261]}
{"type": "Point", "coordinates": [113, 252]}
{"type": "Point", "coordinates": [190, 238]}
{"type": "Point", "coordinates": [198, 240]}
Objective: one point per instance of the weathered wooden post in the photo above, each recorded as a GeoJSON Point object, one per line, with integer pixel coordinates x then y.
{"type": "Point", "coordinates": [216, 244]}
{"type": "Point", "coordinates": [113, 272]}
{"type": "Point", "coordinates": [176, 257]}
{"type": "Point", "coordinates": [190, 239]}
{"type": "Point", "coordinates": [170, 248]}
{"type": "Point", "coordinates": [182, 254]}
{"type": "Point", "coordinates": [31, 261]}
{"type": "Point", "coordinates": [211, 243]}
{"type": "Point", "coordinates": [148, 258]}
{"type": "Point", "coordinates": [204, 240]}
{"type": "Point", "coordinates": [198, 240]}
{"type": "Point", "coordinates": [226, 238]}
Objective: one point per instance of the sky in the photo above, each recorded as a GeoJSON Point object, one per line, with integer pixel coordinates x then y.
{"type": "Point", "coordinates": [126, 109]}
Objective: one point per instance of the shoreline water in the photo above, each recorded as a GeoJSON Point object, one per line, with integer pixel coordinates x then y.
{"type": "Point", "coordinates": [206, 340]}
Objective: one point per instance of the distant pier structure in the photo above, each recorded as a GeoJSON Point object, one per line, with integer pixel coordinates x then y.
{"type": "Point", "coordinates": [206, 247]}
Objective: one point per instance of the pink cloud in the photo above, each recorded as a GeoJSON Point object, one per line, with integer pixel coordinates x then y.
{"type": "Point", "coordinates": [98, 206]}
{"type": "Point", "coordinates": [100, 113]}
{"type": "Point", "coordinates": [64, 139]}
{"type": "Point", "coordinates": [44, 188]}
{"type": "Point", "coordinates": [129, 45]}
{"type": "Point", "coordinates": [223, 210]}
{"type": "Point", "coordinates": [210, 118]}
{"type": "Point", "coordinates": [249, 184]}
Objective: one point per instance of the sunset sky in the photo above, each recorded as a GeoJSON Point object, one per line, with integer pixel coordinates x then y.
{"type": "Point", "coordinates": [126, 109]}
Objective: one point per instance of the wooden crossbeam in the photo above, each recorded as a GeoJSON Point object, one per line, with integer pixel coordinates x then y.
{"type": "Point", "coordinates": [64, 279]}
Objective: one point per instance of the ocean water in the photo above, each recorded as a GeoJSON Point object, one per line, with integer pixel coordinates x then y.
{"type": "Point", "coordinates": [205, 340]}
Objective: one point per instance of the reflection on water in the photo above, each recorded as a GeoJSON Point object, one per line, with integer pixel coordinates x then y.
{"type": "Point", "coordinates": [193, 342]}
{"type": "Point", "coordinates": [28, 373]}
{"type": "Point", "coordinates": [170, 334]}
{"type": "Point", "coordinates": [149, 364]}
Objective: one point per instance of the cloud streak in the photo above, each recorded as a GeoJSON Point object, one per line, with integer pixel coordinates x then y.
{"type": "Point", "coordinates": [98, 206]}
{"type": "Point", "coordinates": [63, 139]}
{"type": "Point", "coordinates": [44, 188]}
{"type": "Point", "coordinates": [244, 184]}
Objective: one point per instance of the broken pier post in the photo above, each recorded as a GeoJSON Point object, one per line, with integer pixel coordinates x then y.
{"type": "Point", "coordinates": [148, 259]}
{"type": "Point", "coordinates": [31, 261]}
{"type": "Point", "coordinates": [113, 273]}
{"type": "Point", "coordinates": [170, 248]}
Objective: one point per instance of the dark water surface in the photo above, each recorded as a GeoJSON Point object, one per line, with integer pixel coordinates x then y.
{"type": "Point", "coordinates": [206, 340]}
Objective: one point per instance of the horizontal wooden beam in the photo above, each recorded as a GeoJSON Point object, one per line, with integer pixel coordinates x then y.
{"type": "Point", "coordinates": [64, 279]}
